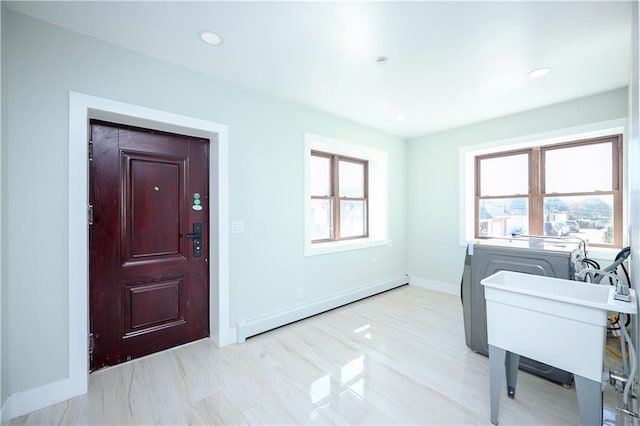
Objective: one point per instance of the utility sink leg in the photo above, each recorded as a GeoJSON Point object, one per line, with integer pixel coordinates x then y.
{"type": "Point", "coordinates": [589, 400]}
{"type": "Point", "coordinates": [511, 364]}
{"type": "Point", "coordinates": [496, 364]}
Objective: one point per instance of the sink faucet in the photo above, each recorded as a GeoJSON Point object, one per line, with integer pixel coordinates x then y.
{"type": "Point", "coordinates": [622, 288]}
{"type": "Point", "coordinates": [622, 292]}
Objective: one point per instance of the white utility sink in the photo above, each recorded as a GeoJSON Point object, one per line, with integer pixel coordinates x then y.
{"type": "Point", "coordinates": [552, 320]}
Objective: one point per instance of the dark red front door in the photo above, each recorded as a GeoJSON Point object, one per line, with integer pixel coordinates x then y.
{"type": "Point", "coordinates": [149, 242]}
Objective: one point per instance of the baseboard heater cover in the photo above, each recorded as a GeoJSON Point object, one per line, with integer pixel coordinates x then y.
{"type": "Point", "coordinates": [251, 327]}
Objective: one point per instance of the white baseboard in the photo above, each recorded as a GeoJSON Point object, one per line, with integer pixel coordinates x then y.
{"type": "Point", "coordinates": [258, 325]}
{"type": "Point", "coordinates": [25, 402]}
{"type": "Point", "coordinates": [440, 286]}
{"type": "Point", "coordinates": [5, 412]}
{"type": "Point", "coordinates": [228, 337]}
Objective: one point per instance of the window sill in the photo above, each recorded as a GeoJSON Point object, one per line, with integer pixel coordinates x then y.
{"type": "Point", "coordinates": [602, 253]}
{"type": "Point", "coordinates": [338, 246]}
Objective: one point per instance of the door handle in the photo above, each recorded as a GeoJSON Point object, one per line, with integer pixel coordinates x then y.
{"type": "Point", "coordinates": [196, 236]}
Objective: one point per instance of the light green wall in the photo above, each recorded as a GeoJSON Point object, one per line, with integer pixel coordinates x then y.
{"type": "Point", "coordinates": [266, 141]}
{"type": "Point", "coordinates": [3, 322]}
{"type": "Point", "coordinates": [433, 178]}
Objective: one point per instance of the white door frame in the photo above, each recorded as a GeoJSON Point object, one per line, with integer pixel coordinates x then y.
{"type": "Point", "coordinates": [82, 108]}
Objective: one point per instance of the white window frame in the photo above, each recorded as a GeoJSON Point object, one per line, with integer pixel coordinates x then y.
{"type": "Point", "coordinates": [378, 194]}
{"type": "Point", "coordinates": [467, 177]}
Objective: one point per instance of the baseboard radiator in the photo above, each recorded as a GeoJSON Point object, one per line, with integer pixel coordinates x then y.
{"type": "Point", "coordinates": [261, 324]}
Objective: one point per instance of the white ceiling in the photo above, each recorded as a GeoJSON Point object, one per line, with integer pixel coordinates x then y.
{"type": "Point", "coordinates": [450, 63]}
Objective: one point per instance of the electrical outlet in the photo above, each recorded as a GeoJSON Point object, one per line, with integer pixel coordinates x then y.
{"type": "Point", "coordinates": [300, 292]}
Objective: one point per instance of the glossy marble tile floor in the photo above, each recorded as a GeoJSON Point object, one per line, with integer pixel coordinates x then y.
{"type": "Point", "coordinates": [396, 358]}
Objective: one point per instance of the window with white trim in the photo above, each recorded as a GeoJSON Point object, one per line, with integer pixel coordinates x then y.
{"type": "Point", "coordinates": [345, 196]}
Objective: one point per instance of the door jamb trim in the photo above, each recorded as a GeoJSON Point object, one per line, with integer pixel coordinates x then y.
{"type": "Point", "coordinates": [83, 107]}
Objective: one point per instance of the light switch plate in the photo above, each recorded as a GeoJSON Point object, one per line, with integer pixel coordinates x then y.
{"type": "Point", "coordinates": [237, 226]}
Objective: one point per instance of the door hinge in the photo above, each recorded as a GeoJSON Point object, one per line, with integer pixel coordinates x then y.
{"type": "Point", "coordinates": [92, 345]}
{"type": "Point", "coordinates": [90, 214]}
{"type": "Point", "coordinates": [90, 150]}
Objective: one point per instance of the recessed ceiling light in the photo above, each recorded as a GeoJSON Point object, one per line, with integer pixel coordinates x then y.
{"type": "Point", "coordinates": [210, 38]}
{"type": "Point", "coordinates": [539, 72]}
{"type": "Point", "coordinates": [400, 117]}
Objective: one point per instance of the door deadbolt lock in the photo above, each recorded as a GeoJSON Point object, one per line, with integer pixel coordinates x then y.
{"type": "Point", "coordinates": [196, 236]}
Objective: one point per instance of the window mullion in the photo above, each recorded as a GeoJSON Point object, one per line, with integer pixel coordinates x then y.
{"type": "Point", "coordinates": [617, 193]}
{"type": "Point", "coordinates": [476, 193]}
{"type": "Point", "coordinates": [616, 152]}
{"type": "Point", "coordinates": [536, 200]}
{"type": "Point", "coordinates": [335, 192]}
{"type": "Point", "coordinates": [366, 198]}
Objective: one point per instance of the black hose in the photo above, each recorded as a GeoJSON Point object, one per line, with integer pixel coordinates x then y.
{"type": "Point", "coordinates": [624, 253]}
{"type": "Point", "coordinates": [620, 258]}
{"type": "Point", "coordinates": [591, 263]}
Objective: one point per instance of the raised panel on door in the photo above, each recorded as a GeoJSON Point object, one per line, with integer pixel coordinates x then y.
{"type": "Point", "coordinates": [152, 306]}
{"type": "Point", "coordinates": [153, 207]}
